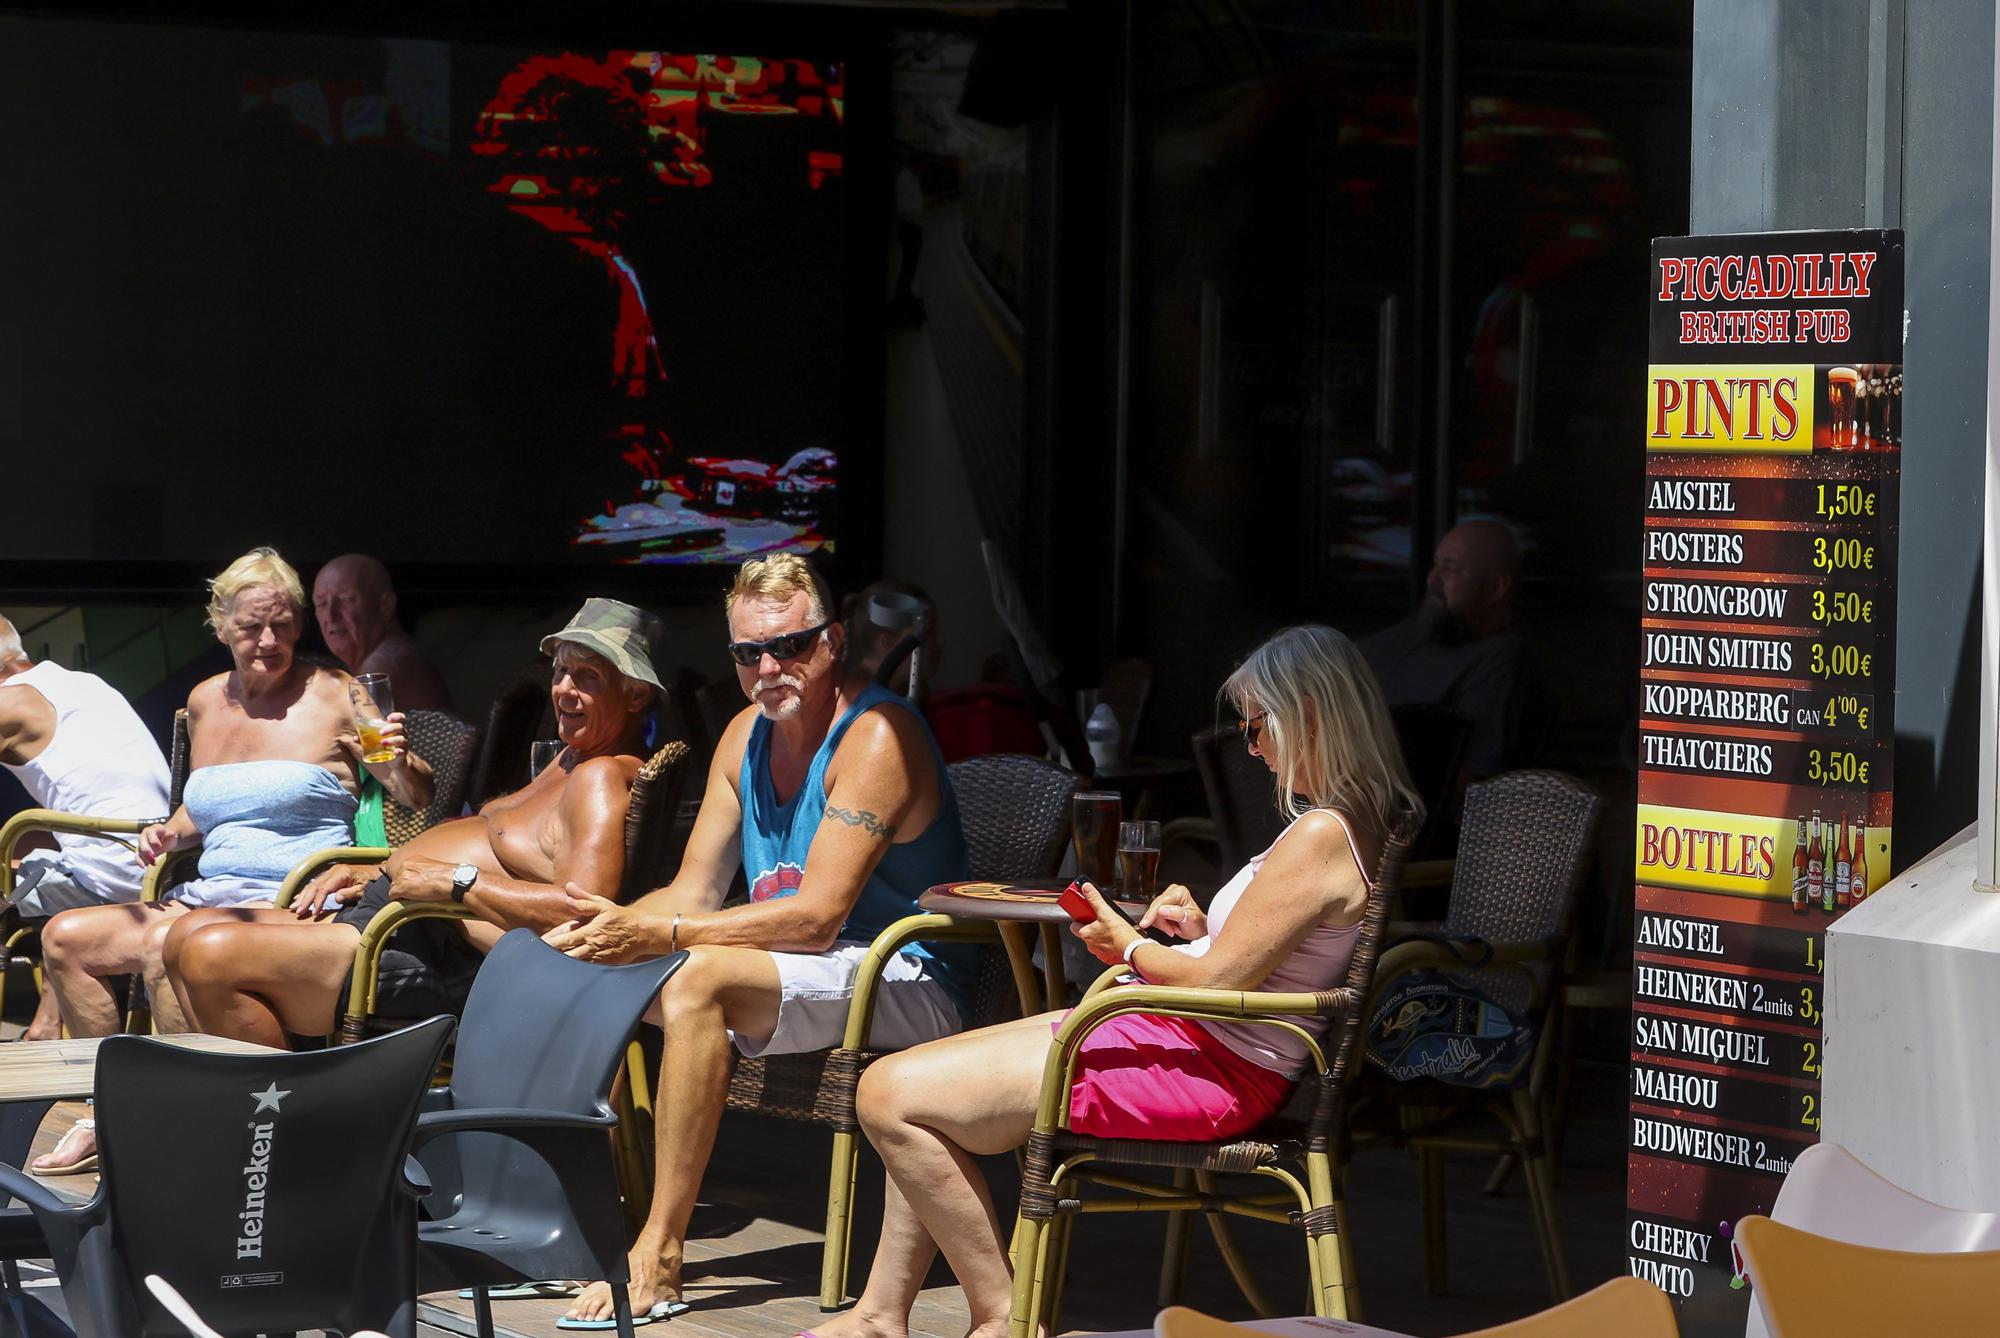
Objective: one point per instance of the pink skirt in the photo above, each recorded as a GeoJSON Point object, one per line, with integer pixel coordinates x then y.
{"type": "Point", "coordinates": [1169, 1078]}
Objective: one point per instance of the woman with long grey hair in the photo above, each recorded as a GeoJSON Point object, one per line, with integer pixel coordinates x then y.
{"type": "Point", "coordinates": [1311, 710]}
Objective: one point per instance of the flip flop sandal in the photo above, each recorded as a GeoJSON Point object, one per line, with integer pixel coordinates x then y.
{"type": "Point", "coordinates": [661, 1310]}
{"type": "Point", "coordinates": [526, 1291]}
{"type": "Point", "coordinates": [81, 1166]}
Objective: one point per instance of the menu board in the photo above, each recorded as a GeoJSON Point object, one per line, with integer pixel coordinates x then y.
{"type": "Point", "coordinates": [1773, 444]}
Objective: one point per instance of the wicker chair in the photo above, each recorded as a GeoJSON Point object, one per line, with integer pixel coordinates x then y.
{"type": "Point", "coordinates": [1305, 1133]}
{"type": "Point", "coordinates": [1015, 812]}
{"type": "Point", "coordinates": [521, 713]}
{"type": "Point", "coordinates": [1522, 850]}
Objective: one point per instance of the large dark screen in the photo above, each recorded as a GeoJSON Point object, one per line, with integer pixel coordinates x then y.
{"type": "Point", "coordinates": [442, 302]}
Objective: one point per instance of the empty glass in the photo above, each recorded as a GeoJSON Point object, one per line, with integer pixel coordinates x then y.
{"type": "Point", "coordinates": [542, 752]}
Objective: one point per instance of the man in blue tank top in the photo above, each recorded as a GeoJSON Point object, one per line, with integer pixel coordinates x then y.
{"type": "Point", "coordinates": [831, 796]}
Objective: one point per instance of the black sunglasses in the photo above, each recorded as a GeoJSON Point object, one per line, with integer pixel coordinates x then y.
{"type": "Point", "coordinates": [1251, 727]}
{"type": "Point", "coordinates": [787, 647]}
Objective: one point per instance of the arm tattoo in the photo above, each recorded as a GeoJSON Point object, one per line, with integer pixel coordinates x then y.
{"type": "Point", "coordinates": [863, 819]}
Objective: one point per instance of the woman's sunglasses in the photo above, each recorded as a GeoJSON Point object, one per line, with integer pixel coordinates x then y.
{"type": "Point", "coordinates": [787, 647]}
{"type": "Point", "coordinates": [1251, 727]}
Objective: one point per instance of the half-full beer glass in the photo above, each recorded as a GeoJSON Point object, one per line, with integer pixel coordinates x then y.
{"type": "Point", "coordinates": [1138, 859]}
{"type": "Point", "coordinates": [373, 703]}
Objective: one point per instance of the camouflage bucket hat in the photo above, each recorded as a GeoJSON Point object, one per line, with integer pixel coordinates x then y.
{"type": "Point", "coordinates": [620, 633]}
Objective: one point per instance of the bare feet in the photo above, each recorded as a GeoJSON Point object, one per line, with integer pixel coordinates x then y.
{"type": "Point", "coordinates": [74, 1153]}
{"type": "Point", "coordinates": [857, 1323]}
{"type": "Point", "coordinates": [47, 1025]}
{"type": "Point", "coordinates": [655, 1282]}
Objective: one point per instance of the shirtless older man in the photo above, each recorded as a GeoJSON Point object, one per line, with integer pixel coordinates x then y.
{"type": "Point", "coordinates": [259, 975]}
{"type": "Point", "coordinates": [355, 604]}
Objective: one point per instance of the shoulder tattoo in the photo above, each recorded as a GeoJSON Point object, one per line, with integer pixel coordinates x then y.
{"type": "Point", "coordinates": [866, 821]}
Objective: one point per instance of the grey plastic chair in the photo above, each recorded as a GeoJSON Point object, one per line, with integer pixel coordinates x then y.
{"type": "Point", "coordinates": [274, 1191]}
{"type": "Point", "coordinates": [525, 1183]}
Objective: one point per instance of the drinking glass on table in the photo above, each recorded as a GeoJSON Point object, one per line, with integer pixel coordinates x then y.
{"type": "Point", "coordinates": [373, 703]}
{"type": "Point", "coordinates": [1094, 817]}
{"type": "Point", "coordinates": [542, 752]}
{"type": "Point", "coordinates": [1138, 859]}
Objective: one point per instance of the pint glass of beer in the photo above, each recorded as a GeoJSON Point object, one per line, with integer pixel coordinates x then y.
{"type": "Point", "coordinates": [1094, 819]}
{"type": "Point", "coordinates": [1138, 859]}
{"type": "Point", "coordinates": [372, 704]}
{"type": "Point", "coordinates": [1843, 400]}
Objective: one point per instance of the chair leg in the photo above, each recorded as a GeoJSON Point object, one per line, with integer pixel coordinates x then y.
{"type": "Point", "coordinates": [1055, 1269]}
{"type": "Point", "coordinates": [621, 1311]}
{"type": "Point", "coordinates": [1541, 1192]}
{"type": "Point", "coordinates": [1174, 1255]}
{"type": "Point", "coordinates": [630, 1139]}
{"type": "Point", "coordinates": [1497, 1178]}
{"type": "Point", "coordinates": [839, 1221]}
{"type": "Point", "coordinates": [1331, 1256]}
{"type": "Point", "coordinates": [1028, 1234]}
{"type": "Point", "coordinates": [482, 1311]}
{"type": "Point", "coordinates": [1351, 1277]}
{"type": "Point", "coordinates": [1430, 1183]}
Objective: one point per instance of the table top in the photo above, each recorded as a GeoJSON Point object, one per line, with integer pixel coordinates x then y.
{"type": "Point", "coordinates": [1307, 1326]}
{"type": "Point", "coordinates": [67, 1070]}
{"type": "Point", "coordinates": [1031, 900]}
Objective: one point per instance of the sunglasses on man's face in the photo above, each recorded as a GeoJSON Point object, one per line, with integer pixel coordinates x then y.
{"type": "Point", "coordinates": [787, 647]}
{"type": "Point", "coordinates": [1251, 726]}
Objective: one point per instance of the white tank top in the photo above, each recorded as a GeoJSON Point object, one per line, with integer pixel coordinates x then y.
{"type": "Point", "coordinates": [100, 761]}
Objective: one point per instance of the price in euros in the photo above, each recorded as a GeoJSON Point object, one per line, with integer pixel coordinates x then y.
{"type": "Point", "coordinates": [1834, 767]}
{"type": "Point", "coordinates": [1845, 499]}
{"type": "Point", "coordinates": [1843, 555]}
{"type": "Point", "coordinates": [1837, 661]}
{"type": "Point", "coordinates": [1841, 606]}
{"type": "Point", "coordinates": [1841, 708]}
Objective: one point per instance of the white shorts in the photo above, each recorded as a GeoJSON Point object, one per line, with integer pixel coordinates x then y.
{"type": "Point", "coordinates": [45, 884]}
{"type": "Point", "coordinates": [814, 988]}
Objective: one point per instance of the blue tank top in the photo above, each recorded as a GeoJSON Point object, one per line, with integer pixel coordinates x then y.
{"type": "Point", "coordinates": [258, 819]}
{"type": "Point", "coordinates": [777, 836]}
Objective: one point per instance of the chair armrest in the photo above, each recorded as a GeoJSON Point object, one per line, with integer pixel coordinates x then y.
{"type": "Point", "coordinates": [1108, 977]}
{"type": "Point", "coordinates": [368, 956]}
{"type": "Point", "coordinates": [910, 929]}
{"type": "Point", "coordinates": [18, 1184]}
{"type": "Point", "coordinates": [1254, 1007]}
{"type": "Point", "coordinates": [320, 860]}
{"type": "Point", "coordinates": [494, 1119]}
{"type": "Point", "coordinates": [1429, 954]}
{"type": "Point", "coordinates": [52, 820]}
{"type": "Point", "coordinates": [155, 884]}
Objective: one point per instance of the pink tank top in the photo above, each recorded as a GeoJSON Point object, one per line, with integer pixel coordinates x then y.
{"type": "Point", "coordinates": [1318, 963]}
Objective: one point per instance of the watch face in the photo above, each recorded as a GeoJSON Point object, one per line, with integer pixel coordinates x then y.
{"type": "Point", "coordinates": [465, 875]}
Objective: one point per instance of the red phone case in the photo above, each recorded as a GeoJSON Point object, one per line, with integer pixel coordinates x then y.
{"type": "Point", "coordinates": [1078, 905]}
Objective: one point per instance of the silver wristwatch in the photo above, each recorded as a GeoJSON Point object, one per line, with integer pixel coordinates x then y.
{"type": "Point", "coordinates": [462, 879]}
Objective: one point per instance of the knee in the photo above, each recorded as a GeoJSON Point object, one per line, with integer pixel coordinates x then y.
{"type": "Point", "coordinates": [155, 943]}
{"type": "Point", "coordinates": [201, 956]}
{"type": "Point", "coordinates": [692, 989]}
{"type": "Point", "coordinates": [67, 934]}
{"type": "Point", "coordinates": [879, 1101]}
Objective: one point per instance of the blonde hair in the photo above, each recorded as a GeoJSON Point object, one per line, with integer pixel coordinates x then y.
{"type": "Point", "coordinates": [779, 577]}
{"type": "Point", "coordinates": [257, 569]}
{"type": "Point", "coordinates": [1326, 725]}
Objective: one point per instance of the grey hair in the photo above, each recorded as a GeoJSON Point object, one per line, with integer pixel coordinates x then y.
{"type": "Point", "coordinates": [1326, 726]}
{"type": "Point", "coordinates": [10, 642]}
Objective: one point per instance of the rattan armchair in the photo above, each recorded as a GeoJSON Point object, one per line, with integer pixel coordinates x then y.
{"type": "Point", "coordinates": [1015, 812]}
{"type": "Point", "coordinates": [1304, 1136]}
{"type": "Point", "coordinates": [1522, 850]}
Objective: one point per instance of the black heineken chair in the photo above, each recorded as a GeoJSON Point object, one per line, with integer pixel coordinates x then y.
{"type": "Point", "coordinates": [274, 1191]}
{"type": "Point", "coordinates": [526, 1185]}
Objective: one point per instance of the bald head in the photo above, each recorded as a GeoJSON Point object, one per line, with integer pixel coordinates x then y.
{"type": "Point", "coordinates": [355, 604]}
{"type": "Point", "coordinates": [1473, 572]}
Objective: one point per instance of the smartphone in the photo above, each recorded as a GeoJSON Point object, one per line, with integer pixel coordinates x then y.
{"type": "Point", "coordinates": [1078, 905]}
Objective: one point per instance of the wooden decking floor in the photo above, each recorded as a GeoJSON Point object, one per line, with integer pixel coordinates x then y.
{"type": "Point", "coordinates": [753, 1256]}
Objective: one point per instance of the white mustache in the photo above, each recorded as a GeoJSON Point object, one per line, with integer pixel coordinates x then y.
{"type": "Point", "coordinates": [781, 681]}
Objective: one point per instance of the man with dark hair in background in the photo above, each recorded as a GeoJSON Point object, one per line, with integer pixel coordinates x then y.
{"type": "Point", "coordinates": [356, 608]}
{"type": "Point", "coordinates": [1460, 650]}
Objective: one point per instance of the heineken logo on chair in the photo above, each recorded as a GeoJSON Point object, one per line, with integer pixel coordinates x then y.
{"type": "Point", "coordinates": [256, 1180]}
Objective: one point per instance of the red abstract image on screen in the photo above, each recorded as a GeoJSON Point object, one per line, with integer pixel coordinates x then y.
{"type": "Point", "coordinates": [578, 144]}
